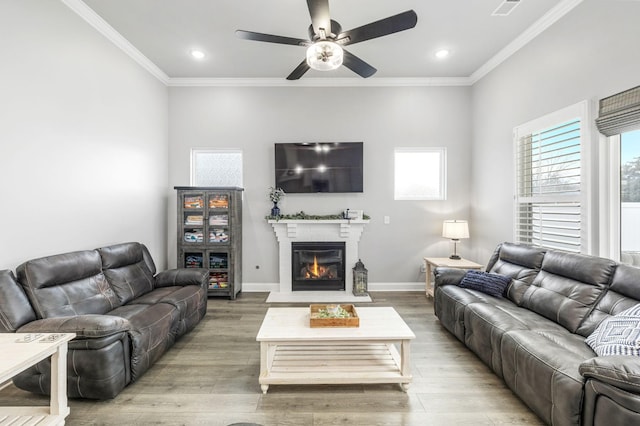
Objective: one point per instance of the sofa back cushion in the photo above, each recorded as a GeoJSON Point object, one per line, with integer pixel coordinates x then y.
{"type": "Point", "coordinates": [567, 287]}
{"type": "Point", "coordinates": [67, 284]}
{"type": "Point", "coordinates": [519, 262]}
{"type": "Point", "coordinates": [129, 269]}
{"type": "Point", "coordinates": [15, 309]}
{"type": "Point", "coordinates": [623, 293]}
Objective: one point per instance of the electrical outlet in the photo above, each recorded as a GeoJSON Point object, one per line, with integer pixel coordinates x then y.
{"type": "Point", "coordinates": [423, 268]}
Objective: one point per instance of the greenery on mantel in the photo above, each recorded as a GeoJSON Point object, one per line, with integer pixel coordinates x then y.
{"type": "Point", "coordinates": [304, 216]}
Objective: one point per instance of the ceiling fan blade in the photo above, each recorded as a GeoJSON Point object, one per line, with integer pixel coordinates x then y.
{"type": "Point", "coordinates": [320, 18]}
{"type": "Point", "coordinates": [250, 35]}
{"type": "Point", "coordinates": [357, 65]}
{"type": "Point", "coordinates": [299, 71]}
{"type": "Point", "coordinates": [393, 24]}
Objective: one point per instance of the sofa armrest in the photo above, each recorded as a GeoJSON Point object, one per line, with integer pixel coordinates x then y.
{"type": "Point", "coordinates": [447, 276]}
{"type": "Point", "coordinates": [183, 277]}
{"type": "Point", "coordinates": [88, 326]}
{"type": "Point", "coordinates": [620, 371]}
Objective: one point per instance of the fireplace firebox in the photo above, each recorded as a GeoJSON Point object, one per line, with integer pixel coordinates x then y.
{"type": "Point", "coordinates": [317, 266]}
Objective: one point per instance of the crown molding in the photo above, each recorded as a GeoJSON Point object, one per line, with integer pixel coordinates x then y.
{"type": "Point", "coordinates": [93, 19]}
{"type": "Point", "coordinates": [542, 24]}
{"type": "Point", "coordinates": [548, 19]}
{"type": "Point", "coordinates": [319, 82]}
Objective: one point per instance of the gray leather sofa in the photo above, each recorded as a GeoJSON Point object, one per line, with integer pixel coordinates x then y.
{"type": "Point", "coordinates": [534, 337]}
{"type": "Point", "coordinates": [125, 315]}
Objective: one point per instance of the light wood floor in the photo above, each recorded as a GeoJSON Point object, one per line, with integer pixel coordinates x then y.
{"type": "Point", "coordinates": [210, 377]}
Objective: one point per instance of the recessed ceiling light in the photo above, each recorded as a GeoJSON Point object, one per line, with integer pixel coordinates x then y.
{"type": "Point", "coordinates": [197, 54]}
{"type": "Point", "coordinates": [442, 53]}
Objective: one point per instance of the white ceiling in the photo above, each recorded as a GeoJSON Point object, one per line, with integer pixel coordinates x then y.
{"type": "Point", "coordinates": [164, 32]}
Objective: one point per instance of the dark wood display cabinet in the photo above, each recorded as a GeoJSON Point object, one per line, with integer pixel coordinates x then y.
{"type": "Point", "coordinates": [210, 235]}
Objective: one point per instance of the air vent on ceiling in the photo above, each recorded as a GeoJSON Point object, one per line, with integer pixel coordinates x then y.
{"type": "Point", "coordinates": [505, 8]}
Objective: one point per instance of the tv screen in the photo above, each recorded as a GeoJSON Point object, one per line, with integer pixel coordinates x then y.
{"type": "Point", "coordinates": [319, 167]}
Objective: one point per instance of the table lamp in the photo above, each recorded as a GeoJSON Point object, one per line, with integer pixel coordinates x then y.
{"type": "Point", "coordinates": [455, 230]}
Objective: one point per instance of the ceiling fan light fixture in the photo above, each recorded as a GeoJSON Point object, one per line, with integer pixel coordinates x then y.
{"type": "Point", "coordinates": [324, 55]}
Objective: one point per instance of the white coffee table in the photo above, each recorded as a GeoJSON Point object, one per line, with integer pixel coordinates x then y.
{"type": "Point", "coordinates": [291, 352]}
{"type": "Point", "coordinates": [19, 351]}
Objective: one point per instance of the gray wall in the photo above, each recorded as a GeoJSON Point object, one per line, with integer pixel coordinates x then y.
{"type": "Point", "coordinates": [591, 53]}
{"type": "Point", "coordinates": [83, 138]}
{"type": "Point", "coordinates": [253, 118]}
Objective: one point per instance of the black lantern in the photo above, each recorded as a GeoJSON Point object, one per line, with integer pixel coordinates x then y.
{"type": "Point", "coordinates": [360, 279]}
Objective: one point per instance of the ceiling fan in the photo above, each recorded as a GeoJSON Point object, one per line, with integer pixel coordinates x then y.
{"type": "Point", "coordinates": [326, 40]}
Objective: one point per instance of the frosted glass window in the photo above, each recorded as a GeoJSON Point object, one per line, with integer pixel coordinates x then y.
{"type": "Point", "coordinates": [216, 168]}
{"type": "Point", "coordinates": [420, 174]}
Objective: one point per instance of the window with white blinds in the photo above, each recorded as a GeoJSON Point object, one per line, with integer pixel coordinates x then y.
{"type": "Point", "coordinates": [549, 193]}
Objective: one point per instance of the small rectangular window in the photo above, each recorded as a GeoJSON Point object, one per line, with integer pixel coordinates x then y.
{"type": "Point", "coordinates": [216, 167]}
{"type": "Point", "coordinates": [420, 174]}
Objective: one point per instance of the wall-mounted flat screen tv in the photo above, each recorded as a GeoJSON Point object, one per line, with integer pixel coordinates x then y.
{"type": "Point", "coordinates": [319, 167]}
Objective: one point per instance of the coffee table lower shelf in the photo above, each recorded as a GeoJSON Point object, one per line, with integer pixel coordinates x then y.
{"type": "Point", "coordinates": [332, 363]}
{"type": "Point", "coordinates": [36, 416]}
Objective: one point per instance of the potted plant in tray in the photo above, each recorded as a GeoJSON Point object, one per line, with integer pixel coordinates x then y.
{"type": "Point", "coordinates": [275, 195]}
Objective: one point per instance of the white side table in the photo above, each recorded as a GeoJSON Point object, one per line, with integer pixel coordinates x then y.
{"type": "Point", "coordinates": [432, 262]}
{"type": "Point", "coordinates": [19, 351]}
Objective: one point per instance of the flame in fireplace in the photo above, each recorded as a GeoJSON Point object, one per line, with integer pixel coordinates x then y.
{"type": "Point", "coordinates": [315, 271]}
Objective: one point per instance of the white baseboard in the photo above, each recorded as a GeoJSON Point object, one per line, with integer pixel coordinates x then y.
{"type": "Point", "coordinates": [406, 286]}
{"type": "Point", "coordinates": [316, 297]}
{"type": "Point", "coordinates": [260, 287]}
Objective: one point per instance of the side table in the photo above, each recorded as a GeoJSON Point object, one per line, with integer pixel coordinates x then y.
{"type": "Point", "coordinates": [432, 262]}
{"type": "Point", "coordinates": [19, 351]}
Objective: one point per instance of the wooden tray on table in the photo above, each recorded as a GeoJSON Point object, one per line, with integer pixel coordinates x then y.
{"type": "Point", "coordinates": [315, 320]}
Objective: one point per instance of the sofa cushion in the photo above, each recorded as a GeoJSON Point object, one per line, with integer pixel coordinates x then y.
{"type": "Point", "coordinates": [567, 287]}
{"type": "Point", "coordinates": [67, 284]}
{"type": "Point", "coordinates": [527, 256]}
{"type": "Point", "coordinates": [127, 269]}
{"type": "Point", "coordinates": [623, 293]}
{"type": "Point", "coordinates": [521, 263]}
{"type": "Point", "coordinates": [541, 367]}
{"type": "Point", "coordinates": [486, 323]}
{"type": "Point", "coordinates": [491, 284]}
{"type": "Point", "coordinates": [618, 334]}
{"type": "Point", "coordinates": [190, 302]}
{"type": "Point", "coordinates": [152, 333]}
{"type": "Point", "coordinates": [15, 310]}
{"type": "Point", "coordinates": [449, 304]}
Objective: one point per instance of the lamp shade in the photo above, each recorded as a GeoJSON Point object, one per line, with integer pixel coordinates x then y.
{"type": "Point", "coordinates": [455, 229]}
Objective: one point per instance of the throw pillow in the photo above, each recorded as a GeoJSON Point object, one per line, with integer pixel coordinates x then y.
{"type": "Point", "coordinates": [492, 284]}
{"type": "Point", "coordinates": [618, 335]}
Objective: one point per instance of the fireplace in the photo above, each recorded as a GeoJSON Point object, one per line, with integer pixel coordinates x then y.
{"type": "Point", "coordinates": [290, 231]}
{"type": "Point", "coordinates": [318, 266]}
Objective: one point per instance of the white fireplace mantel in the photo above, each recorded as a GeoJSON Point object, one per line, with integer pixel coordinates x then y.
{"type": "Point", "coordinates": [288, 231]}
